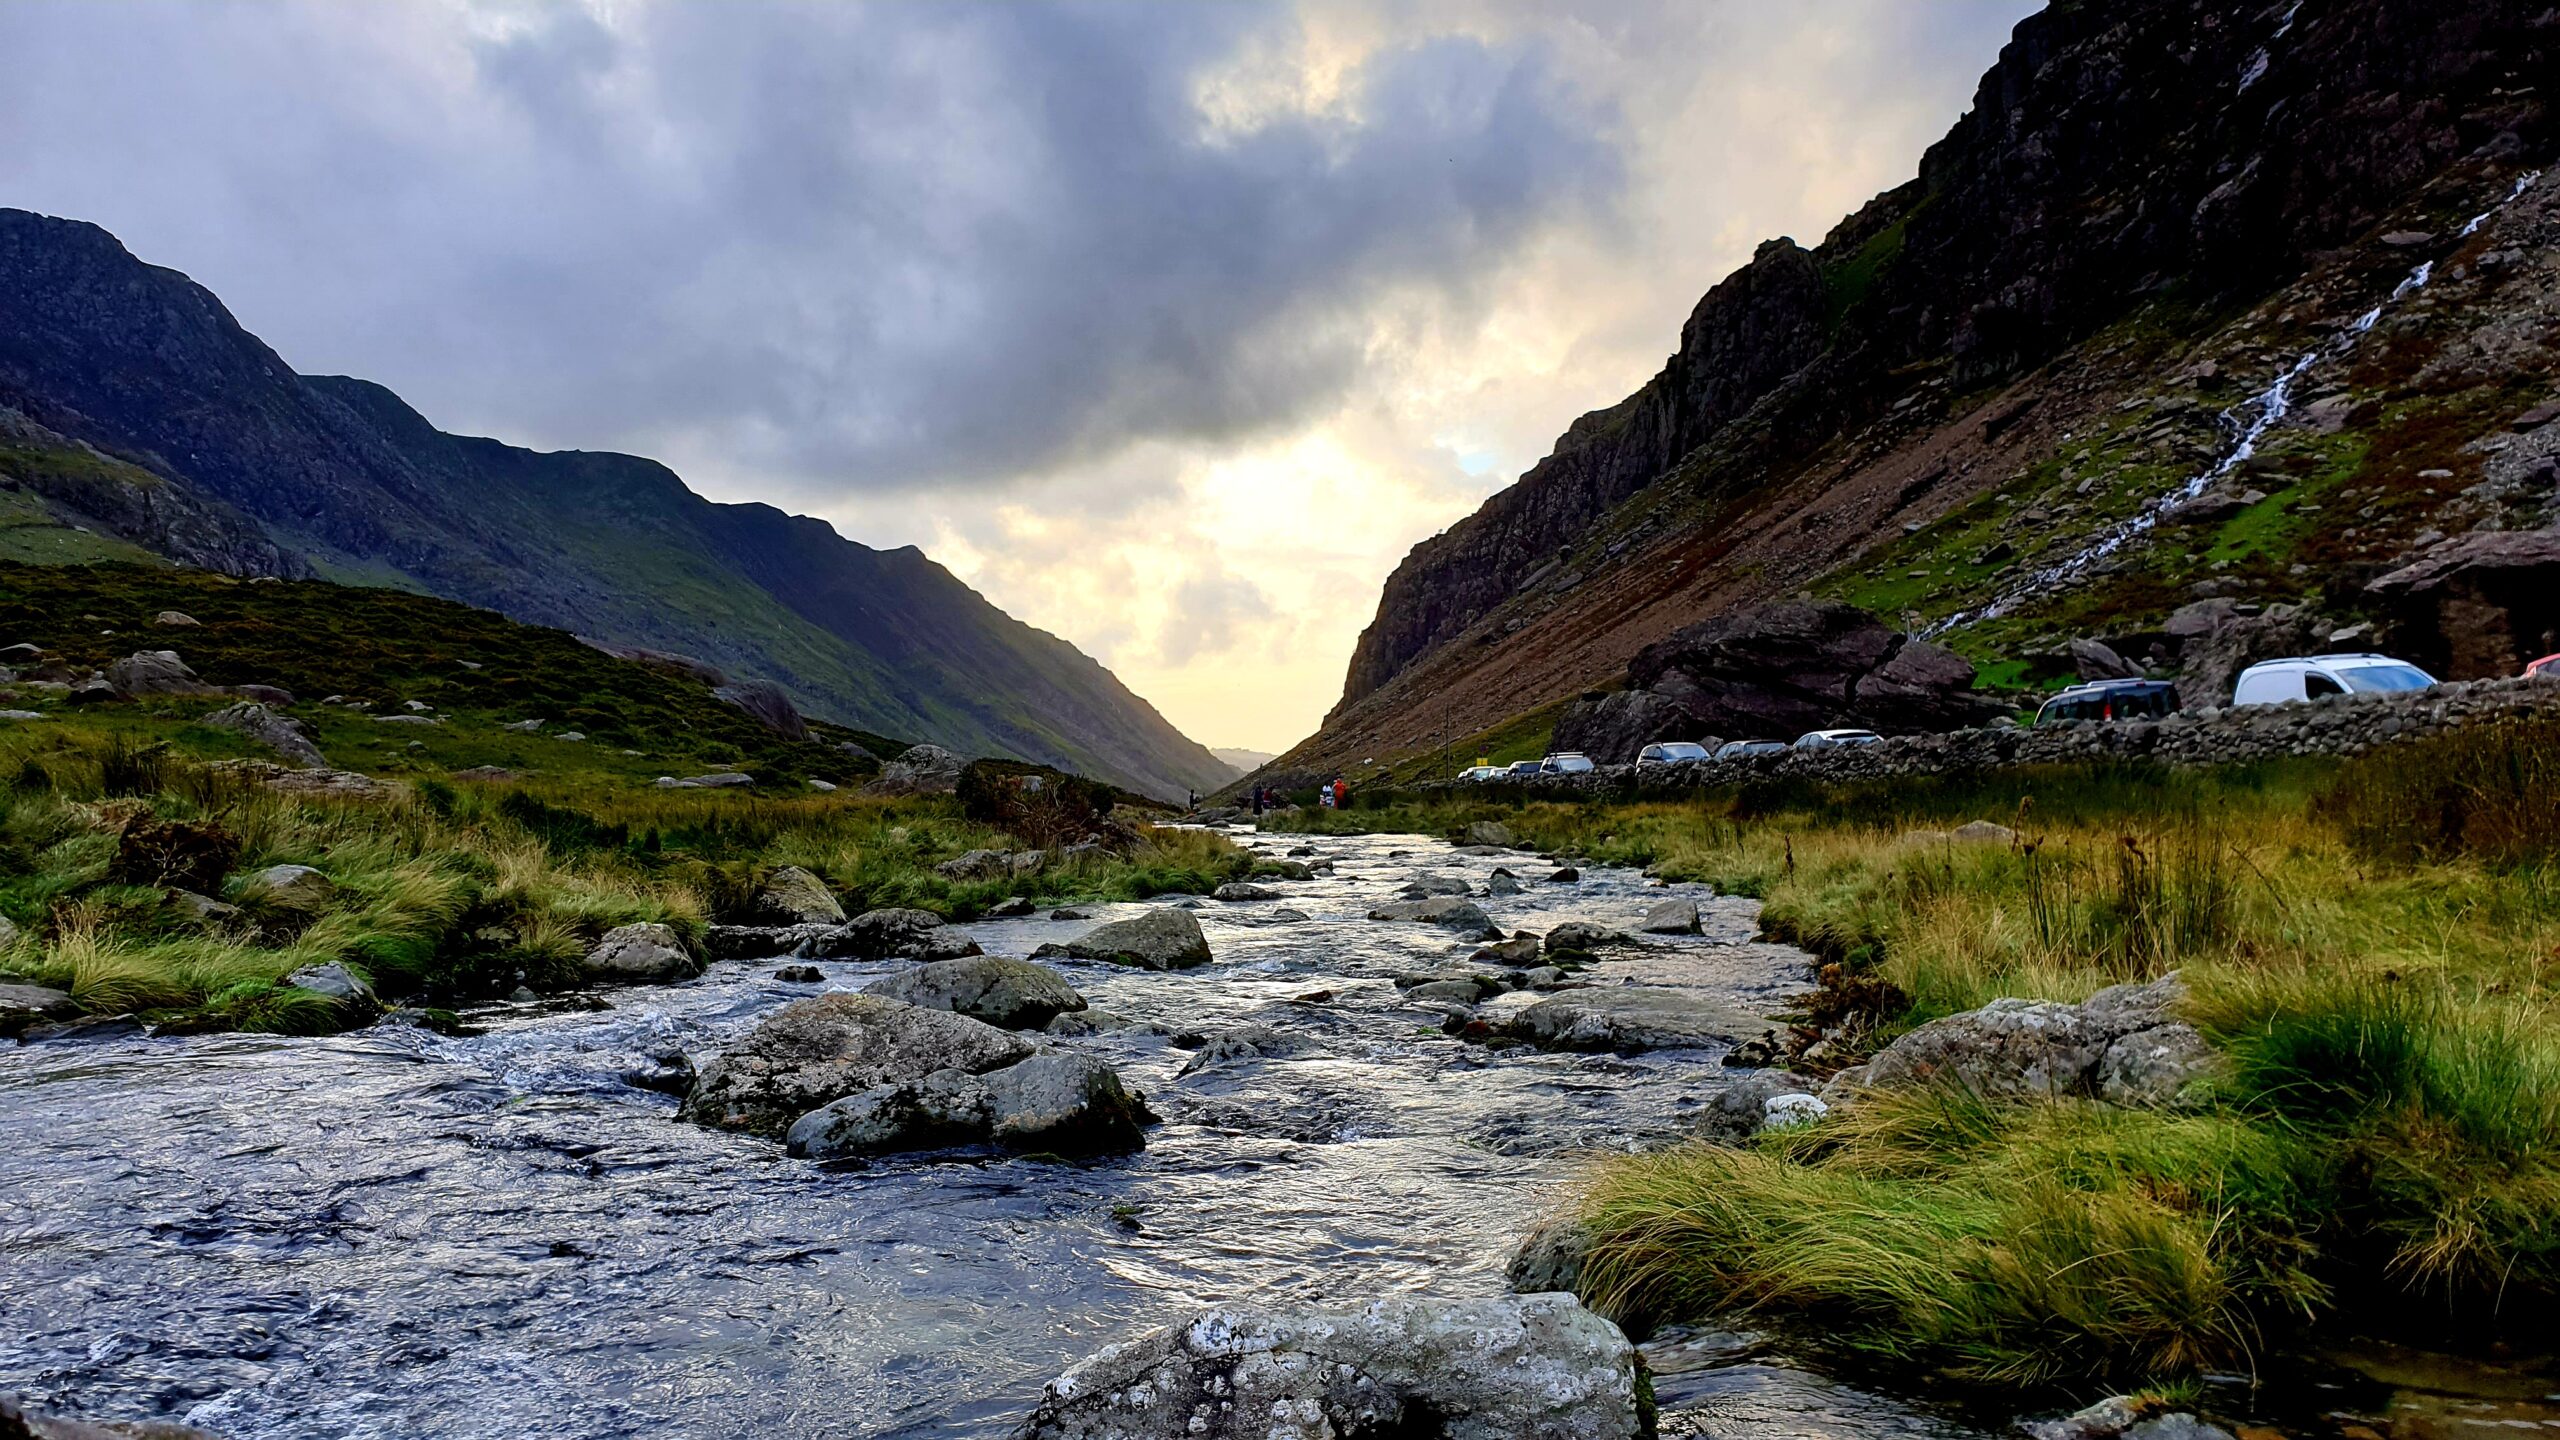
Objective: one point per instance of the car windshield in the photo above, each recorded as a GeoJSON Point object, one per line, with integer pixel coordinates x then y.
{"type": "Point", "coordinates": [1682, 752]}
{"type": "Point", "coordinates": [2382, 679]}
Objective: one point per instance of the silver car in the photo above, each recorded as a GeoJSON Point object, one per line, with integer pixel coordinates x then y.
{"type": "Point", "coordinates": [1671, 752]}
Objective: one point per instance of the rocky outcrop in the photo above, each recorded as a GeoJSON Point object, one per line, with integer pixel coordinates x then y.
{"type": "Point", "coordinates": [1778, 670]}
{"type": "Point", "coordinates": [287, 737]}
{"type": "Point", "coordinates": [2481, 605]}
{"type": "Point", "coordinates": [2124, 1045]}
{"type": "Point", "coordinates": [767, 704]}
{"type": "Point", "coordinates": [1162, 939]}
{"type": "Point", "coordinates": [1528, 1367]}
{"type": "Point", "coordinates": [1008, 994]}
{"type": "Point", "coordinates": [919, 770]}
{"type": "Point", "coordinates": [1611, 728]}
{"type": "Point", "coordinates": [2217, 640]}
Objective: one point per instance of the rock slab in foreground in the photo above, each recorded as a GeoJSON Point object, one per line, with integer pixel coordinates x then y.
{"type": "Point", "coordinates": [1531, 1367]}
{"type": "Point", "coordinates": [816, 1051]}
{"type": "Point", "coordinates": [1056, 1101]}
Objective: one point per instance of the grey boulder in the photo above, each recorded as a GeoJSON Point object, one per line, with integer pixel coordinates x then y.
{"type": "Point", "coordinates": [1671, 917]}
{"type": "Point", "coordinates": [292, 887]}
{"type": "Point", "coordinates": [155, 672]}
{"type": "Point", "coordinates": [1010, 994]}
{"type": "Point", "coordinates": [335, 982]}
{"type": "Point", "coordinates": [1579, 937]}
{"type": "Point", "coordinates": [22, 1006]}
{"type": "Point", "coordinates": [1518, 952]}
{"type": "Point", "coordinates": [1628, 1018]}
{"type": "Point", "coordinates": [1051, 1101]}
{"type": "Point", "coordinates": [1447, 911]}
{"type": "Point", "coordinates": [1521, 1367]}
{"type": "Point", "coordinates": [813, 1052]}
{"type": "Point", "coordinates": [1162, 939]}
{"type": "Point", "coordinates": [2123, 1045]}
{"type": "Point", "coordinates": [285, 737]}
{"type": "Point", "coordinates": [1239, 890]}
{"type": "Point", "coordinates": [1489, 832]}
{"type": "Point", "coordinates": [794, 896]}
{"type": "Point", "coordinates": [640, 954]}
{"type": "Point", "coordinates": [890, 934]}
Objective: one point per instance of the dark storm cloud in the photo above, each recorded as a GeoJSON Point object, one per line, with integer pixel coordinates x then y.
{"type": "Point", "coordinates": [833, 247]}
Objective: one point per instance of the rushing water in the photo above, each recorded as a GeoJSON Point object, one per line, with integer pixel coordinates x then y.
{"type": "Point", "coordinates": [393, 1234]}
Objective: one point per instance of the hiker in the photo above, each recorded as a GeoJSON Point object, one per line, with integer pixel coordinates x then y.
{"type": "Point", "coordinates": [1257, 799]}
{"type": "Point", "coordinates": [1341, 792]}
{"type": "Point", "coordinates": [1324, 796]}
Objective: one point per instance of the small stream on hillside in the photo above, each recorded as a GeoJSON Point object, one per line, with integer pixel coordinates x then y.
{"type": "Point", "coordinates": [392, 1234]}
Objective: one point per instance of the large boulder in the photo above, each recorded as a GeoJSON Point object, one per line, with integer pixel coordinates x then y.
{"type": "Point", "coordinates": [286, 737]}
{"type": "Point", "coordinates": [2216, 642]}
{"type": "Point", "coordinates": [766, 704]}
{"type": "Point", "coordinates": [1012, 994]}
{"type": "Point", "coordinates": [816, 1051]}
{"type": "Point", "coordinates": [889, 934]}
{"type": "Point", "coordinates": [1794, 665]}
{"type": "Point", "coordinates": [155, 672]}
{"type": "Point", "coordinates": [641, 954]}
{"type": "Point", "coordinates": [1677, 916]}
{"type": "Point", "coordinates": [919, 770]}
{"type": "Point", "coordinates": [1053, 1101]}
{"type": "Point", "coordinates": [336, 983]}
{"type": "Point", "coordinates": [2477, 605]}
{"type": "Point", "coordinates": [1161, 939]}
{"type": "Point", "coordinates": [2123, 1045]}
{"type": "Point", "coordinates": [1521, 1367]}
{"type": "Point", "coordinates": [1490, 832]}
{"type": "Point", "coordinates": [22, 1006]}
{"type": "Point", "coordinates": [1447, 911]}
{"type": "Point", "coordinates": [794, 896]}
{"type": "Point", "coordinates": [1612, 728]}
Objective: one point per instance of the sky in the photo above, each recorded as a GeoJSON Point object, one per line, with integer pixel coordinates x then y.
{"type": "Point", "coordinates": [1170, 327]}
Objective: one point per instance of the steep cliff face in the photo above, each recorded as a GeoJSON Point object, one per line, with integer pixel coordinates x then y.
{"type": "Point", "coordinates": [253, 468]}
{"type": "Point", "coordinates": [2130, 178]}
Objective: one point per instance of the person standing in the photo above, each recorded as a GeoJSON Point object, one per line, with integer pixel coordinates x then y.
{"type": "Point", "coordinates": [1341, 792]}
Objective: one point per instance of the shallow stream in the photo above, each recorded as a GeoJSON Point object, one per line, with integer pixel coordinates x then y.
{"type": "Point", "coordinates": [394, 1234]}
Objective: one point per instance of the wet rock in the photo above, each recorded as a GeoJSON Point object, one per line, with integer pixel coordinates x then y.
{"type": "Point", "coordinates": [1565, 875]}
{"type": "Point", "coordinates": [801, 975]}
{"type": "Point", "coordinates": [1501, 884]}
{"type": "Point", "coordinates": [1629, 1018]}
{"type": "Point", "coordinates": [1543, 977]}
{"type": "Point", "coordinates": [1532, 1367]}
{"type": "Point", "coordinates": [1069, 912]}
{"type": "Point", "coordinates": [335, 982]}
{"type": "Point", "coordinates": [1010, 994]}
{"type": "Point", "coordinates": [640, 954]}
{"type": "Point", "coordinates": [1465, 990]}
{"type": "Point", "coordinates": [878, 935]}
{"type": "Point", "coordinates": [1242, 1042]}
{"type": "Point", "coordinates": [1489, 832]}
{"type": "Point", "coordinates": [794, 896]}
{"type": "Point", "coordinates": [1052, 1101]}
{"type": "Point", "coordinates": [1550, 1257]}
{"type": "Point", "coordinates": [284, 736]}
{"type": "Point", "coordinates": [23, 1006]}
{"type": "Point", "coordinates": [1580, 937]}
{"type": "Point", "coordinates": [1519, 950]}
{"type": "Point", "coordinates": [1671, 917]}
{"type": "Point", "coordinates": [1161, 939]}
{"type": "Point", "coordinates": [1292, 870]}
{"type": "Point", "coordinates": [1423, 887]}
{"type": "Point", "coordinates": [82, 1031]}
{"type": "Point", "coordinates": [1286, 916]}
{"type": "Point", "coordinates": [756, 942]}
{"type": "Point", "coordinates": [1238, 890]}
{"type": "Point", "coordinates": [17, 1423]}
{"type": "Point", "coordinates": [1447, 911]}
{"type": "Point", "coordinates": [1015, 907]}
{"type": "Point", "coordinates": [292, 887]}
{"type": "Point", "coordinates": [2123, 1045]}
{"type": "Point", "coordinates": [667, 1072]}
{"type": "Point", "coordinates": [2124, 1417]}
{"type": "Point", "coordinates": [1758, 1052]}
{"type": "Point", "coordinates": [815, 1051]}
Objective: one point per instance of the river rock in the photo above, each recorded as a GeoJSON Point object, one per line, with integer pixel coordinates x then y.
{"type": "Point", "coordinates": [1011, 994]}
{"type": "Point", "coordinates": [2124, 1417]}
{"type": "Point", "coordinates": [879, 935]}
{"type": "Point", "coordinates": [1580, 937]}
{"type": "Point", "coordinates": [1054, 1101]}
{"type": "Point", "coordinates": [292, 887]}
{"type": "Point", "coordinates": [1012, 907]}
{"type": "Point", "coordinates": [1550, 1257]}
{"type": "Point", "coordinates": [1241, 1042]}
{"type": "Point", "coordinates": [1628, 1018]}
{"type": "Point", "coordinates": [1523, 1367]}
{"type": "Point", "coordinates": [22, 1006]}
{"type": "Point", "coordinates": [641, 954]}
{"type": "Point", "coordinates": [816, 1051]}
{"type": "Point", "coordinates": [1489, 832]}
{"type": "Point", "coordinates": [1238, 890]}
{"type": "Point", "coordinates": [335, 982]}
{"type": "Point", "coordinates": [2122, 1045]}
{"type": "Point", "coordinates": [1165, 938]}
{"type": "Point", "coordinates": [1447, 911]}
{"type": "Point", "coordinates": [794, 896]}
{"type": "Point", "coordinates": [1671, 917]}
{"type": "Point", "coordinates": [18, 1424]}
{"type": "Point", "coordinates": [1518, 951]}
{"type": "Point", "coordinates": [1463, 989]}
{"type": "Point", "coordinates": [1501, 883]}
{"type": "Point", "coordinates": [801, 975]}
{"type": "Point", "coordinates": [758, 942]}
{"type": "Point", "coordinates": [284, 736]}
{"type": "Point", "coordinates": [973, 865]}
{"type": "Point", "coordinates": [1423, 887]}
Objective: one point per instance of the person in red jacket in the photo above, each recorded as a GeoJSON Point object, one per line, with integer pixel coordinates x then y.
{"type": "Point", "coordinates": [1341, 792]}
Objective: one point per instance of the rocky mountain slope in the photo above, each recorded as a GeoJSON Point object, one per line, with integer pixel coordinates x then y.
{"type": "Point", "coordinates": [2195, 299]}
{"type": "Point", "coordinates": [136, 416]}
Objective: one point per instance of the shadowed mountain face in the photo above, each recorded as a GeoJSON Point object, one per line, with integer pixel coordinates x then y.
{"type": "Point", "coordinates": [135, 372]}
{"type": "Point", "coordinates": [2151, 209]}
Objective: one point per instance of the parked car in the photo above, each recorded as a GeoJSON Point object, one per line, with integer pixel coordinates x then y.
{"type": "Point", "coordinates": [1671, 752]}
{"type": "Point", "coordinates": [1736, 749]}
{"type": "Point", "coordinates": [1479, 772]}
{"type": "Point", "coordinates": [2272, 682]}
{"type": "Point", "coordinates": [1827, 739]}
{"type": "Point", "coordinates": [1520, 769]}
{"type": "Point", "coordinates": [2548, 667]}
{"type": "Point", "coordinates": [2111, 700]}
{"type": "Point", "coordinates": [1566, 762]}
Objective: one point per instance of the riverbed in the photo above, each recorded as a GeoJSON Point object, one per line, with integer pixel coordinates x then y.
{"type": "Point", "coordinates": [394, 1234]}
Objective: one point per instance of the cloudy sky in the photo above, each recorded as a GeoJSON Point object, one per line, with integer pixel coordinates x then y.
{"type": "Point", "coordinates": [1169, 326]}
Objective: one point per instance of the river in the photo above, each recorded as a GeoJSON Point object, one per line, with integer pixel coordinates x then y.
{"type": "Point", "coordinates": [393, 1234]}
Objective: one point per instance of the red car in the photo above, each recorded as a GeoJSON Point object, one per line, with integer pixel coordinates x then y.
{"type": "Point", "coordinates": [2548, 667]}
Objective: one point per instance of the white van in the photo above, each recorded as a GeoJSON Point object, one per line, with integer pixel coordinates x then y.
{"type": "Point", "coordinates": [2272, 682]}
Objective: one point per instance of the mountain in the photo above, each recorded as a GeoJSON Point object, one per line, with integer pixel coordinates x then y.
{"type": "Point", "coordinates": [137, 416]}
{"type": "Point", "coordinates": [1243, 762]}
{"type": "Point", "coordinates": [2194, 300]}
